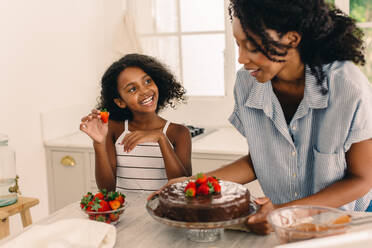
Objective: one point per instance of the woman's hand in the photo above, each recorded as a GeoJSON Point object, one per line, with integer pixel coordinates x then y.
{"type": "Point", "coordinates": [172, 181]}
{"type": "Point", "coordinates": [94, 127]}
{"type": "Point", "coordinates": [258, 223]}
{"type": "Point", "coordinates": [134, 138]}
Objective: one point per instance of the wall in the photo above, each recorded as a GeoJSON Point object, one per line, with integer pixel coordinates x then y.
{"type": "Point", "coordinates": [53, 53]}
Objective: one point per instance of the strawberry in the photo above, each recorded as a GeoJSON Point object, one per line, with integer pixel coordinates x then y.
{"type": "Point", "coordinates": [190, 185]}
{"type": "Point", "coordinates": [85, 200]}
{"type": "Point", "coordinates": [114, 216]}
{"type": "Point", "coordinates": [120, 198]}
{"type": "Point", "coordinates": [190, 192]}
{"type": "Point", "coordinates": [104, 115]}
{"type": "Point", "coordinates": [104, 206]}
{"type": "Point", "coordinates": [100, 205]}
{"type": "Point", "coordinates": [115, 204]}
{"type": "Point", "coordinates": [99, 195]}
{"type": "Point", "coordinates": [200, 178]}
{"type": "Point", "coordinates": [203, 186]}
{"type": "Point", "coordinates": [89, 206]}
{"type": "Point", "coordinates": [100, 217]}
{"type": "Point", "coordinates": [212, 179]}
{"type": "Point", "coordinates": [203, 189]}
{"type": "Point", "coordinates": [216, 187]}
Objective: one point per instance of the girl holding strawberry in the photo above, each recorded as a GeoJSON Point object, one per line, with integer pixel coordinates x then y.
{"type": "Point", "coordinates": [136, 149]}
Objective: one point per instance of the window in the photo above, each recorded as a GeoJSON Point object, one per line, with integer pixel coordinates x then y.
{"type": "Point", "coordinates": [361, 11]}
{"type": "Point", "coordinates": [189, 36]}
{"type": "Point", "coordinates": [194, 38]}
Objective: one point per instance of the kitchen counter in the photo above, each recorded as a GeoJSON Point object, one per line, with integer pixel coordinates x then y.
{"type": "Point", "coordinates": [138, 229]}
{"type": "Point", "coordinates": [224, 140]}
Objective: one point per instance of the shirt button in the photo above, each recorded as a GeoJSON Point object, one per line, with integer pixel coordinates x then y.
{"type": "Point", "coordinates": [294, 128]}
{"type": "Point", "coordinates": [294, 153]}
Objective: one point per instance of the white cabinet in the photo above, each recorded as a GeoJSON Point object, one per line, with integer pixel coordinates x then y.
{"type": "Point", "coordinates": [69, 175]}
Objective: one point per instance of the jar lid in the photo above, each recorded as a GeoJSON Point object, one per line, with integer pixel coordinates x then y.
{"type": "Point", "coordinates": [3, 139]}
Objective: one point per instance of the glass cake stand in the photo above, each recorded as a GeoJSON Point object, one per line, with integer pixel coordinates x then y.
{"type": "Point", "coordinates": [197, 231]}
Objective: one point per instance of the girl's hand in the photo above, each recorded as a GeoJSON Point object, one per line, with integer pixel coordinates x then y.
{"type": "Point", "coordinates": [134, 138]}
{"type": "Point", "coordinates": [258, 223]}
{"type": "Point", "coordinates": [172, 181]}
{"type": "Point", "coordinates": [94, 127]}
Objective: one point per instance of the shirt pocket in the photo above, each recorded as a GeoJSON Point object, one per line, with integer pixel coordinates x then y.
{"type": "Point", "coordinates": [328, 168]}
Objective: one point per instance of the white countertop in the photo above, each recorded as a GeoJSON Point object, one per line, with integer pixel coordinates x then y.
{"type": "Point", "coordinates": [138, 229]}
{"type": "Point", "coordinates": [224, 140]}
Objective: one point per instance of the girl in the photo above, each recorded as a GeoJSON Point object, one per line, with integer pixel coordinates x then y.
{"type": "Point", "coordinates": [303, 106]}
{"type": "Point", "coordinates": [137, 149]}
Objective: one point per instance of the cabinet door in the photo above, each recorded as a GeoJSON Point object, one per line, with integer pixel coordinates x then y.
{"type": "Point", "coordinates": [92, 166]}
{"type": "Point", "coordinates": [69, 180]}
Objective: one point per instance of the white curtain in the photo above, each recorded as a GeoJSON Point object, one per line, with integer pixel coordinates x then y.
{"type": "Point", "coordinates": [126, 39]}
{"type": "Point", "coordinates": [156, 25]}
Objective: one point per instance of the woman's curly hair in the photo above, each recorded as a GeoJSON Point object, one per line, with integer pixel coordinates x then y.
{"type": "Point", "coordinates": [170, 90]}
{"type": "Point", "coordinates": [327, 33]}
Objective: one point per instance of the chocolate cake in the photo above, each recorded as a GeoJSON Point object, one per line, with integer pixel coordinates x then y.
{"type": "Point", "coordinates": [231, 203]}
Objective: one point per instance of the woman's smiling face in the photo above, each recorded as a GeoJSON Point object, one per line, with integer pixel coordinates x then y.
{"type": "Point", "coordinates": [137, 91]}
{"type": "Point", "coordinates": [259, 66]}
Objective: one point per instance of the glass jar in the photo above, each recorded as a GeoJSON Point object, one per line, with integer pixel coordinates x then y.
{"type": "Point", "coordinates": [8, 178]}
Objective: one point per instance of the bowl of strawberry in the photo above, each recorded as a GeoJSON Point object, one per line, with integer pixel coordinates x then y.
{"type": "Point", "coordinates": [104, 206]}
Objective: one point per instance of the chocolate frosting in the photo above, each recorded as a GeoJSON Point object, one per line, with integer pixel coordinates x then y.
{"type": "Point", "coordinates": [231, 203]}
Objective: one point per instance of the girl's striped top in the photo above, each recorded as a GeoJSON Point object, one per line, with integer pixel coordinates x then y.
{"type": "Point", "coordinates": [142, 169]}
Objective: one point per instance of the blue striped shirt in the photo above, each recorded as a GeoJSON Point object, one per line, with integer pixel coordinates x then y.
{"type": "Point", "coordinates": [296, 160]}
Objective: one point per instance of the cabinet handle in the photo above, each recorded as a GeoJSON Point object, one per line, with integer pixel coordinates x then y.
{"type": "Point", "coordinates": [68, 161]}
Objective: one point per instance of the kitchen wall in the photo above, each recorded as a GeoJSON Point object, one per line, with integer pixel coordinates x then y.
{"type": "Point", "coordinates": [53, 53]}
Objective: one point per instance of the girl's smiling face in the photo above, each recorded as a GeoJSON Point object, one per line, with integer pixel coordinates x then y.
{"type": "Point", "coordinates": [137, 91]}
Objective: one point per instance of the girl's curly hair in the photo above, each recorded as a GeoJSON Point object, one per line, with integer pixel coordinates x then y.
{"type": "Point", "coordinates": [327, 33]}
{"type": "Point", "coordinates": [170, 90]}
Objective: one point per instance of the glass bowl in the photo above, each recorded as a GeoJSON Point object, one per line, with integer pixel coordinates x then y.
{"type": "Point", "coordinates": [110, 217]}
{"type": "Point", "coordinates": [297, 223]}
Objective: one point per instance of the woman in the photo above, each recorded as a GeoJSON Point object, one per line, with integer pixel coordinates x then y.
{"type": "Point", "coordinates": [303, 105]}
